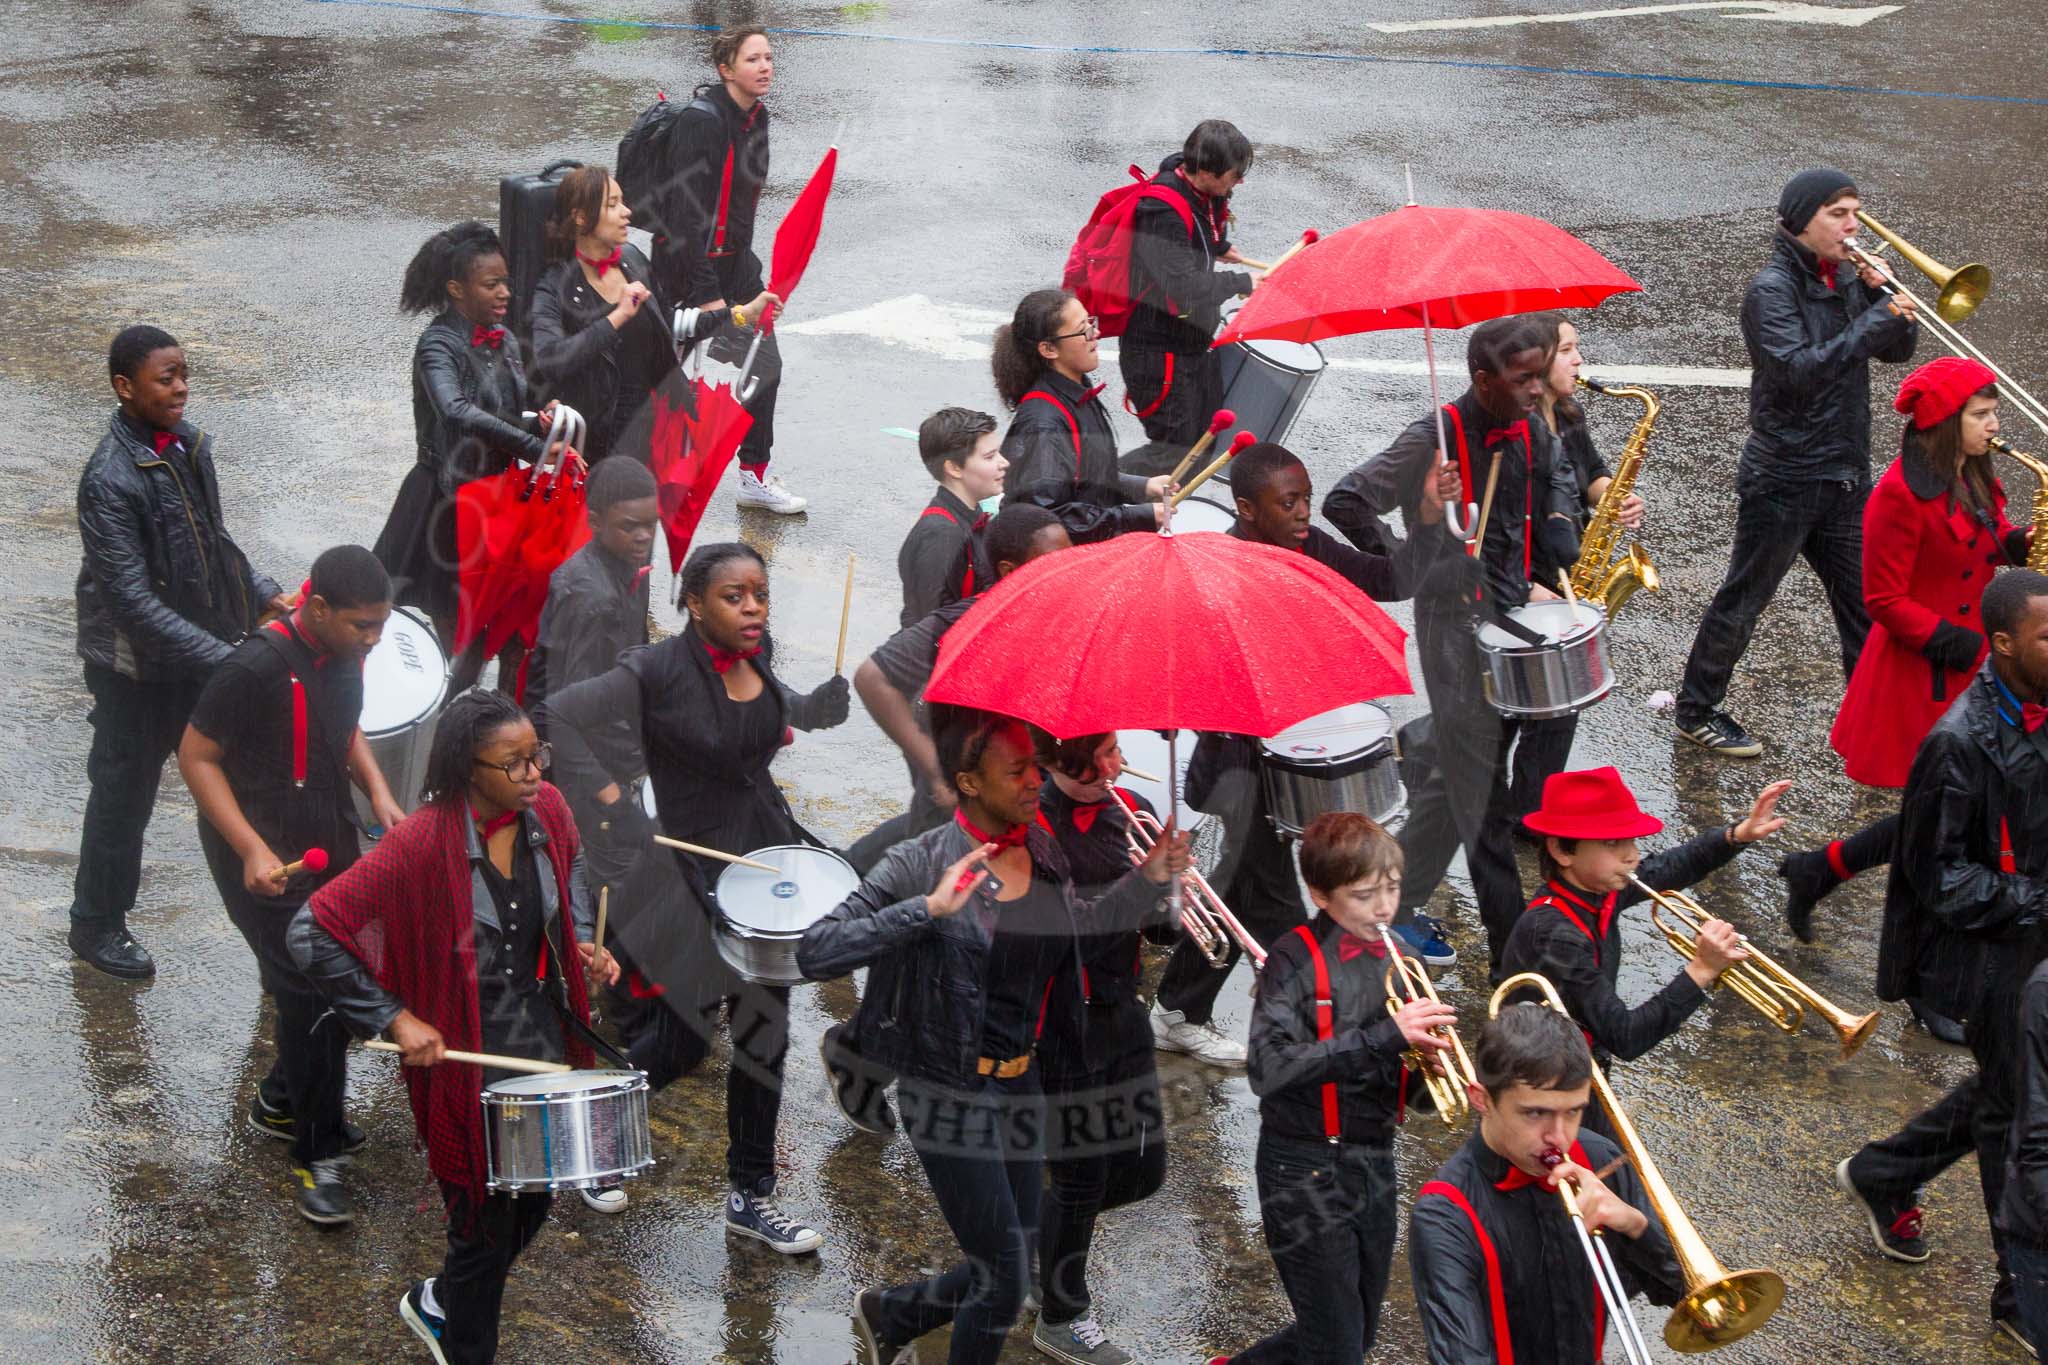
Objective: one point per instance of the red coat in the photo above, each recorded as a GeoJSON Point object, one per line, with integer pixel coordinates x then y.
{"type": "Point", "coordinates": [1925, 562]}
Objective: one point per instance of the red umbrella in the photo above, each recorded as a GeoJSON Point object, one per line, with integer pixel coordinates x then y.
{"type": "Point", "coordinates": [798, 235]}
{"type": "Point", "coordinates": [698, 427]}
{"type": "Point", "coordinates": [512, 530]}
{"type": "Point", "coordinates": [1167, 632]}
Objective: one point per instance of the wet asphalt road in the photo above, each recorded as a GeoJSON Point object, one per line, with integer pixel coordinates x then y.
{"type": "Point", "coordinates": [253, 178]}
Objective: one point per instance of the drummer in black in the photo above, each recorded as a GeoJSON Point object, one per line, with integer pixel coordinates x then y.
{"type": "Point", "coordinates": [711, 715]}
{"type": "Point", "coordinates": [269, 755]}
{"type": "Point", "coordinates": [1105, 1130]}
{"type": "Point", "coordinates": [1463, 799]}
{"type": "Point", "coordinates": [1274, 497]}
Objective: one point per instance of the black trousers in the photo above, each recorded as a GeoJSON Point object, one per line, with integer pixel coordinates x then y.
{"type": "Point", "coordinates": [1191, 982]}
{"type": "Point", "coordinates": [982, 1151]}
{"type": "Point", "coordinates": [1329, 1213]}
{"type": "Point", "coordinates": [1105, 1148]}
{"type": "Point", "coordinates": [1172, 395]}
{"type": "Point", "coordinates": [1776, 523]}
{"type": "Point", "coordinates": [483, 1242]}
{"type": "Point", "coordinates": [1543, 749]}
{"type": "Point", "coordinates": [135, 727]}
{"type": "Point", "coordinates": [1458, 792]}
{"type": "Point", "coordinates": [730, 344]}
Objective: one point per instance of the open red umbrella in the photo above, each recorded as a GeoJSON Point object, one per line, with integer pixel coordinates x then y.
{"type": "Point", "coordinates": [698, 428]}
{"type": "Point", "coordinates": [1170, 632]}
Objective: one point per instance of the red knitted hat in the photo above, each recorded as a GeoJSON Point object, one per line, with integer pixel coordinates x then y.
{"type": "Point", "coordinates": [1937, 390]}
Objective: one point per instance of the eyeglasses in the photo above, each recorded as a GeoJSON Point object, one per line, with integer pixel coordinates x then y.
{"type": "Point", "coordinates": [538, 760]}
{"type": "Point", "coordinates": [1092, 328]}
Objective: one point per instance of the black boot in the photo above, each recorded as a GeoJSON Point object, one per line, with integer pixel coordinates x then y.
{"type": "Point", "coordinates": [1808, 877]}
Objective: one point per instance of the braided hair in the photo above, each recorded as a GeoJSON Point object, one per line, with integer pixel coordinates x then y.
{"type": "Point", "coordinates": [448, 255]}
{"type": "Point", "coordinates": [466, 725]}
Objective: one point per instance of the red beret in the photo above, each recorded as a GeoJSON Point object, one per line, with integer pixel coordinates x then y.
{"type": "Point", "coordinates": [1937, 390]}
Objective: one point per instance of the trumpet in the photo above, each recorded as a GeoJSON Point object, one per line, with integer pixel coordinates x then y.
{"type": "Point", "coordinates": [1449, 1073]}
{"type": "Point", "coordinates": [1765, 986]}
{"type": "Point", "coordinates": [1720, 1305]}
{"type": "Point", "coordinates": [1203, 915]}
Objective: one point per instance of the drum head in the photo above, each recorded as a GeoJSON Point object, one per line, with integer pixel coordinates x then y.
{"type": "Point", "coordinates": [810, 885]}
{"type": "Point", "coordinates": [1299, 357]}
{"type": "Point", "coordinates": [1201, 514]}
{"type": "Point", "coordinates": [1551, 620]}
{"type": "Point", "coordinates": [566, 1083]}
{"type": "Point", "coordinates": [1147, 749]}
{"type": "Point", "coordinates": [1333, 736]}
{"type": "Point", "coordinates": [404, 677]}
{"type": "Point", "coordinates": [647, 800]}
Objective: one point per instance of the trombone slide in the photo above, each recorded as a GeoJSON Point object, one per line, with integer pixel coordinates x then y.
{"type": "Point", "coordinates": [1203, 915]}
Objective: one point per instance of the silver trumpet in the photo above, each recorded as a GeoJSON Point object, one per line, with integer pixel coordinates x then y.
{"type": "Point", "coordinates": [1203, 915]}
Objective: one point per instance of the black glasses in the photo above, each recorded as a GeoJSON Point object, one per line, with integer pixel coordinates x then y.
{"type": "Point", "coordinates": [1091, 328]}
{"type": "Point", "coordinates": [538, 760]}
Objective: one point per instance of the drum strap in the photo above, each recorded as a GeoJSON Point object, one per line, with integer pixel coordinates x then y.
{"type": "Point", "coordinates": [1165, 387]}
{"type": "Point", "coordinates": [967, 578]}
{"type": "Point", "coordinates": [1333, 1127]}
{"type": "Point", "coordinates": [1073, 427]}
{"type": "Point", "coordinates": [1496, 1292]}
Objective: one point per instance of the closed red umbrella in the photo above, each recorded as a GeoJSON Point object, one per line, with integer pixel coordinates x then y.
{"type": "Point", "coordinates": [1166, 632]}
{"type": "Point", "coordinates": [798, 235]}
{"type": "Point", "coordinates": [698, 427]}
{"type": "Point", "coordinates": [512, 530]}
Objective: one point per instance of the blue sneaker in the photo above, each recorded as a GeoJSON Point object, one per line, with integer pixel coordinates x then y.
{"type": "Point", "coordinates": [426, 1326]}
{"type": "Point", "coordinates": [1423, 938]}
{"type": "Point", "coordinates": [752, 1213]}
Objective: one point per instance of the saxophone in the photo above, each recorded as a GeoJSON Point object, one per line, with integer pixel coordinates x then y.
{"type": "Point", "coordinates": [2037, 552]}
{"type": "Point", "coordinates": [1592, 577]}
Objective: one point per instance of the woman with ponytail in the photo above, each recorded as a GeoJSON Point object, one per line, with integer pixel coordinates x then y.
{"type": "Point", "coordinates": [469, 399]}
{"type": "Point", "coordinates": [1061, 447]}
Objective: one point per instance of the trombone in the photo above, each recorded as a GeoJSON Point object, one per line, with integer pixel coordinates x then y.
{"type": "Point", "coordinates": [1962, 289]}
{"type": "Point", "coordinates": [1449, 1073]}
{"type": "Point", "coordinates": [1203, 915]}
{"type": "Point", "coordinates": [1720, 1305]}
{"type": "Point", "coordinates": [1765, 986]}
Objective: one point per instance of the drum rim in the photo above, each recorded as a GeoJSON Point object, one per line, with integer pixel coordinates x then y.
{"type": "Point", "coordinates": [1253, 345]}
{"type": "Point", "coordinates": [619, 1082]}
{"type": "Point", "coordinates": [433, 707]}
{"type": "Point", "coordinates": [1380, 751]}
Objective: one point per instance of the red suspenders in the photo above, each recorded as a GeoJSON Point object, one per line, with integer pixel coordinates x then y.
{"type": "Point", "coordinates": [2005, 858]}
{"type": "Point", "coordinates": [1496, 1293]}
{"type": "Point", "coordinates": [1333, 1128]}
{"type": "Point", "coordinates": [298, 716]}
{"type": "Point", "coordinates": [1073, 427]}
{"type": "Point", "coordinates": [966, 579]}
{"type": "Point", "coordinates": [1165, 387]}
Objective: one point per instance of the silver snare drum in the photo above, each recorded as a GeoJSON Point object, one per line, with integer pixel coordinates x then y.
{"type": "Point", "coordinates": [404, 679]}
{"type": "Point", "coordinates": [1201, 514]}
{"type": "Point", "coordinates": [573, 1130]}
{"type": "Point", "coordinates": [1266, 383]}
{"type": "Point", "coordinates": [1341, 760]}
{"type": "Point", "coordinates": [1566, 672]}
{"type": "Point", "coordinates": [761, 915]}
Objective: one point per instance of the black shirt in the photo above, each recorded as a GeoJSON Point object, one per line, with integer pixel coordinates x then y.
{"type": "Point", "coordinates": [517, 1019]}
{"type": "Point", "coordinates": [943, 558]}
{"type": "Point", "coordinates": [1031, 936]}
{"type": "Point", "coordinates": [908, 657]}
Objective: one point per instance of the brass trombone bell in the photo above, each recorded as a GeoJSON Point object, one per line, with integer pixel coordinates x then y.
{"type": "Point", "coordinates": [1963, 287]}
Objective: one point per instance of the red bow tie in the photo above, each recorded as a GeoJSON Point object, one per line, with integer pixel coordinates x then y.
{"type": "Point", "coordinates": [487, 828]}
{"type": "Point", "coordinates": [1518, 431]}
{"type": "Point", "coordinates": [493, 337]}
{"type": "Point", "coordinates": [722, 660]}
{"type": "Point", "coordinates": [980, 522]}
{"type": "Point", "coordinates": [2032, 717]}
{"type": "Point", "coordinates": [1350, 945]}
{"type": "Point", "coordinates": [1084, 816]}
{"type": "Point", "coordinates": [164, 440]}
{"type": "Point", "coordinates": [603, 263]}
{"type": "Point", "coordinates": [1013, 837]}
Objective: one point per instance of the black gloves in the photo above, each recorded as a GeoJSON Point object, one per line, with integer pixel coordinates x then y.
{"type": "Point", "coordinates": [1953, 647]}
{"type": "Point", "coordinates": [827, 706]}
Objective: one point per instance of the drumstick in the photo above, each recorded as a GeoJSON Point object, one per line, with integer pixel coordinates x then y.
{"type": "Point", "coordinates": [1485, 507]}
{"type": "Point", "coordinates": [604, 896]}
{"type": "Point", "coordinates": [525, 1064]}
{"type": "Point", "coordinates": [1254, 265]}
{"type": "Point", "coordinates": [1571, 598]}
{"type": "Point", "coordinates": [315, 862]}
{"type": "Point", "coordinates": [1243, 439]}
{"type": "Point", "coordinates": [1223, 421]}
{"type": "Point", "coordinates": [845, 611]}
{"type": "Point", "coordinates": [714, 853]}
{"type": "Point", "coordinates": [1309, 237]}
{"type": "Point", "coordinates": [1140, 774]}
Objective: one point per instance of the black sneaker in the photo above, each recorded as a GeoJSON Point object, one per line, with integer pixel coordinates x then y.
{"type": "Point", "coordinates": [1940, 1027]}
{"type": "Point", "coordinates": [113, 951]}
{"type": "Point", "coordinates": [859, 1092]}
{"type": "Point", "coordinates": [1808, 877]}
{"type": "Point", "coordinates": [426, 1326]}
{"type": "Point", "coordinates": [266, 1121]}
{"type": "Point", "coordinates": [754, 1213]}
{"type": "Point", "coordinates": [867, 1330]}
{"type": "Point", "coordinates": [1720, 733]}
{"type": "Point", "coordinates": [323, 1199]}
{"type": "Point", "coordinates": [1895, 1229]}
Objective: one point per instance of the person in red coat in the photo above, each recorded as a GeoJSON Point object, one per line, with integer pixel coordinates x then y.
{"type": "Point", "coordinates": [1934, 531]}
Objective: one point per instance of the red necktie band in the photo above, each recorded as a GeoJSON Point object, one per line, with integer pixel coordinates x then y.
{"type": "Point", "coordinates": [722, 660]}
{"type": "Point", "coordinates": [497, 822]}
{"type": "Point", "coordinates": [164, 440]}
{"type": "Point", "coordinates": [1013, 837]}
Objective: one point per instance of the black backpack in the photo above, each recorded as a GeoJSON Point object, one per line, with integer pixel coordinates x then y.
{"type": "Point", "coordinates": [643, 157]}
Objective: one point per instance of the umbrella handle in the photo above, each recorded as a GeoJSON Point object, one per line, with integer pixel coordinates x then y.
{"type": "Point", "coordinates": [746, 386]}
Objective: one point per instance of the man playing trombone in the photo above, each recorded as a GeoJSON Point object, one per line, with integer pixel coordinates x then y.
{"type": "Point", "coordinates": [1589, 823]}
{"type": "Point", "coordinates": [1501, 1273]}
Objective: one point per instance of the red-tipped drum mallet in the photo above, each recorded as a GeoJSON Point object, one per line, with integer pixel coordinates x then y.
{"type": "Point", "coordinates": [1309, 237]}
{"type": "Point", "coordinates": [314, 861]}
{"type": "Point", "coordinates": [1223, 421]}
{"type": "Point", "coordinates": [1237, 444]}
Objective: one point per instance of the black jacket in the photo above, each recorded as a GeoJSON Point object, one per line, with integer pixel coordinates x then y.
{"type": "Point", "coordinates": [943, 558]}
{"type": "Point", "coordinates": [1289, 1064]}
{"type": "Point", "coordinates": [1584, 963]}
{"type": "Point", "coordinates": [2023, 1209]}
{"type": "Point", "coordinates": [1082, 487]}
{"type": "Point", "coordinates": [163, 592]}
{"type": "Point", "coordinates": [1176, 290]}
{"type": "Point", "coordinates": [1256, 873]}
{"type": "Point", "coordinates": [578, 356]}
{"type": "Point", "coordinates": [688, 259]}
{"type": "Point", "coordinates": [469, 404]}
{"type": "Point", "coordinates": [1810, 349]}
{"type": "Point", "coordinates": [921, 1011]}
{"type": "Point", "coordinates": [1545, 1281]}
{"type": "Point", "coordinates": [596, 611]}
{"type": "Point", "coordinates": [1960, 933]}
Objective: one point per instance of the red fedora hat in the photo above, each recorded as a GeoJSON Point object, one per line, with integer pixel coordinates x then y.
{"type": "Point", "coordinates": [1594, 804]}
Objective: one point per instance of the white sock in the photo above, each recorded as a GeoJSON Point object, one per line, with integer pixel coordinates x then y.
{"type": "Point", "coordinates": [427, 1300]}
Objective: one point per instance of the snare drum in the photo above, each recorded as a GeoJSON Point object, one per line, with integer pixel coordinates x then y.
{"type": "Point", "coordinates": [1201, 514]}
{"type": "Point", "coordinates": [1266, 383]}
{"type": "Point", "coordinates": [572, 1130]}
{"type": "Point", "coordinates": [1341, 760]}
{"type": "Point", "coordinates": [404, 679]}
{"type": "Point", "coordinates": [762, 915]}
{"type": "Point", "coordinates": [1566, 672]}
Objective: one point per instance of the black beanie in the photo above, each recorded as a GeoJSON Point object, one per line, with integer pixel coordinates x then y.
{"type": "Point", "coordinates": [1806, 192]}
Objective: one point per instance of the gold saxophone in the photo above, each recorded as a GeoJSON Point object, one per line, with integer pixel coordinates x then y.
{"type": "Point", "coordinates": [1593, 579]}
{"type": "Point", "coordinates": [2037, 552]}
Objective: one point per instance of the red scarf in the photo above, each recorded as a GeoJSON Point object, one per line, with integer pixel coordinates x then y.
{"type": "Point", "coordinates": [603, 263]}
{"type": "Point", "coordinates": [401, 909]}
{"type": "Point", "coordinates": [1013, 837]}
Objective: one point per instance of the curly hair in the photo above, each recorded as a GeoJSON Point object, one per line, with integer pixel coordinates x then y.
{"type": "Point", "coordinates": [1016, 361]}
{"type": "Point", "coordinates": [449, 254]}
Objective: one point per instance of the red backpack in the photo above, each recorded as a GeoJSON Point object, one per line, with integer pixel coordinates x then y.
{"type": "Point", "coordinates": [1098, 269]}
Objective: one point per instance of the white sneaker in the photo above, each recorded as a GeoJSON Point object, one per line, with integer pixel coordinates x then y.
{"type": "Point", "coordinates": [607, 1199]}
{"type": "Point", "coordinates": [1171, 1032]}
{"type": "Point", "coordinates": [769, 496]}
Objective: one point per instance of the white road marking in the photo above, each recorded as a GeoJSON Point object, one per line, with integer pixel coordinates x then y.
{"type": "Point", "coordinates": [1782, 11]}
{"type": "Point", "coordinates": [954, 331]}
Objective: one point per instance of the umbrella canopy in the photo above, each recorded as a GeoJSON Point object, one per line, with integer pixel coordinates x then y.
{"type": "Point", "coordinates": [698, 427]}
{"type": "Point", "coordinates": [512, 530]}
{"type": "Point", "coordinates": [798, 235]}
{"type": "Point", "coordinates": [1151, 631]}
{"type": "Point", "coordinates": [1420, 265]}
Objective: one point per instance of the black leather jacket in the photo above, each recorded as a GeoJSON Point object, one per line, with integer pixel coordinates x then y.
{"type": "Point", "coordinates": [1810, 349]}
{"type": "Point", "coordinates": [921, 1013]}
{"type": "Point", "coordinates": [468, 404]}
{"type": "Point", "coordinates": [163, 592]}
{"type": "Point", "coordinates": [576, 349]}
